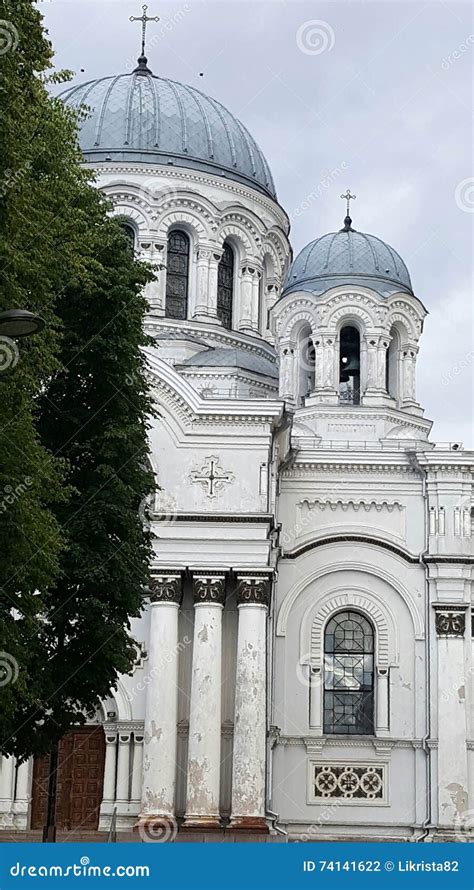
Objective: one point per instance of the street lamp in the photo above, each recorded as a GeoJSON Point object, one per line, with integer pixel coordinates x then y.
{"type": "Point", "coordinates": [20, 323]}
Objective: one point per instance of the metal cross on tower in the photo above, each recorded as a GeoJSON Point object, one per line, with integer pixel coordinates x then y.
{"type": "Point", "coordinates": [348, 221]}
{"type": "Point", "coordinates": [144, 19]}
{"type": "Point", "coordinates": [348, 197]}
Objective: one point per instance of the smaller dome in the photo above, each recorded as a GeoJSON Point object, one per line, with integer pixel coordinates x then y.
{"type": "Point", "coordinates": [232, 358]}
{"type": "Point", "coordinates": [348, 257]}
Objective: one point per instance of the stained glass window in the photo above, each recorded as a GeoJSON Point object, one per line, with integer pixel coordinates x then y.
{"type": "Point", "coordinates": [349, 675]}
{"type": "Point", "coordinates": [177, 275]}
{"type": "Point", "coordinates": [225, 286]}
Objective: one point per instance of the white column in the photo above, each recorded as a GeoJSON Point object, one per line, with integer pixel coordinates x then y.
{"type": "Point", "coordinates": [409, 375]}
{"type": "Point", "coordinates": [201, 309]}
{"type": "Point", "coordinates": [154, 252]}
{"type": "Point", "coordinates": [212, 295]}
{"type": "Point", "coordinates": [246, 296]}
{"type": "Point", "coordinates": [452, 718]}
{"type": "Point", "coordinates": [287, 365]}
{"type": "Point", "coordinates": [110, 767]}
{"type": "Point", "coordinates": [250, 723]}
{"type": "Point", "coordinates": [137, 767]}
{"type": "Point", "coordinates": [123, 767]}
{"type": "Point", "coordinates": [161, 714]}
{"type": "Point", "coordinates": [204, 746]}
{"type": "Point", "coordinates": [382, 702]}
{"type": "Point", "coordinates": [315, 695]}
{"type": "Point", "coordinates": [255, 302]}
{"type": "Point", "coordinates": [7, 774]}
{"type": "Point", "coordinates": [327, 363]}
{"type": "Point", "coordinates": [371, 344]}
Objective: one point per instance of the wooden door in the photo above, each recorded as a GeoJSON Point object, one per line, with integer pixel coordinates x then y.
{"type": "Point", "coordinates": [80, 781]}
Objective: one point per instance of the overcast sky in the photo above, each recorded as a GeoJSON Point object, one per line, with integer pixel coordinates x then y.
{"type": "Point", "coordinates": [376, 96]}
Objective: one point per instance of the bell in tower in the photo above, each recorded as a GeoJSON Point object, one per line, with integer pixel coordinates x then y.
{"type": "Point", "coordinates": [349, 366]}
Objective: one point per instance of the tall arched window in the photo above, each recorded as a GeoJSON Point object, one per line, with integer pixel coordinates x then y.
{"type": "Point", "coordinates": [225, 286]}
{"type": "Point", "coordinates": [129, 231]}
{"type": "Point", "coordinates": [349, 366]}
{"type": "Point", "coordinates": [177, 275]}
{"type": "Point", "coordinates": [349, 675]}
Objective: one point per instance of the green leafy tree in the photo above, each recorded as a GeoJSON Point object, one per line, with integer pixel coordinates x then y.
{"type": "Point", "coordinates": [77, 554]}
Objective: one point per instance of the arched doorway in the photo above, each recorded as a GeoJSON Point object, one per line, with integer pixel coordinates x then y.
{"type": "Point", "coordinates": [80, 781]}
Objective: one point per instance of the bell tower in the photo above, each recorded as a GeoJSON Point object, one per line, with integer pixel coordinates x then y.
{"type": "Point", "coordinates": [347, 329]}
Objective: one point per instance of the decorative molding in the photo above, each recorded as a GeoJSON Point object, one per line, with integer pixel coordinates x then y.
{"type": "Point", "coordinates": [324, 503]}
{"type": "Point", "coordinates": [253, 590]}
{"type": "Point", "coordinates": [350, 742]}
{"type": "Point", "coordinates": [377, 571]}
{"type": "Point", "coordinates": [362, 783]}
{"type": "Point", "coordinates": [209, 588]}
{"type": "Point", "coordinates": [211, 476]}
{"type": "Point", "coordinates": [364, 603]}
{"type": "Point", "coordinates": [450, 619]}
{"type": "Point", "coordinates": [166, 588]}
{"type": "Point", "coordinates": [354, 539]}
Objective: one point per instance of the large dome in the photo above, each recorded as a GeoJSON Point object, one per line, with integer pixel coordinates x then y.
{"type": "Point", "coordinates": [348, 257]}
{"type": "Point", "coordinates": [138, 117]}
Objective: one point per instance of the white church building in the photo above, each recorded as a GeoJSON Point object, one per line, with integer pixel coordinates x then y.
{"type": "Point", "coordinates": [305, 660]}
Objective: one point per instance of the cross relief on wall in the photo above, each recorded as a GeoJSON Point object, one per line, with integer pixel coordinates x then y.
{"type": "Point", "coordinates": [211, 476]}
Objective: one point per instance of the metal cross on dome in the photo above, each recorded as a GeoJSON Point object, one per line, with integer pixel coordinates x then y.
{"type": "Point", "coordinates": [144, 19]}
{"type": "Point", "coordinates": [348, 197]}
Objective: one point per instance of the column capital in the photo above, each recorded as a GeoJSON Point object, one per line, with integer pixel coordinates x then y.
{"type": "Point", "coordinates": [450, 619]}
{"type": "Point", "coordinates": [209, 587]}
{"type": "Point", "coordinates": [166, 588]}
{"type": "Point", "coordinates": [253, 589]}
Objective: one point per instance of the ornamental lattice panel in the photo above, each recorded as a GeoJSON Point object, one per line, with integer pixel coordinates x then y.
{"type": "Point", "coordinates": [360, 783]}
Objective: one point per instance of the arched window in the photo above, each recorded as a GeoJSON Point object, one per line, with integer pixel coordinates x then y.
{"type": "Point", "coordinates": [391, 364]}
{"type": "Point", "coordinates": [349, 366]}
{"type": "Point", "coordinates": [306, 364]}
{"type": "Point", "coordinates": [177, 275]}
{"type": "Point", "coordinates": [349, 675]}
{"type": "Point", "coordinates": [225, 286]}
{"type": "Point", "coordinates": [129, 231]}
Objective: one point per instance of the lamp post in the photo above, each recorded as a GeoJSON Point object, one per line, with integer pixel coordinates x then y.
{"type": "Point", "coordinates": [18, 323]}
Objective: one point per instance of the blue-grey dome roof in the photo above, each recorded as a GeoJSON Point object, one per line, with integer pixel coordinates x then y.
{"type": "Point", "coordinates": [142, 118]}
{"type": "Point", "coordinates": [344, 257]}
{"type": "Point", "coordinates": [233, 358]}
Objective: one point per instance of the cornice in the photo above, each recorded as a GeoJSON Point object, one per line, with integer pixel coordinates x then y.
{"type": "Point", "coordinates": [205, 330]}
{"type": "Point", "coordinates": [227, 185]}
{"type": "Point", "coordinates": [311, 743]}
{"type": "Point", "coordinates": [354, 539]}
